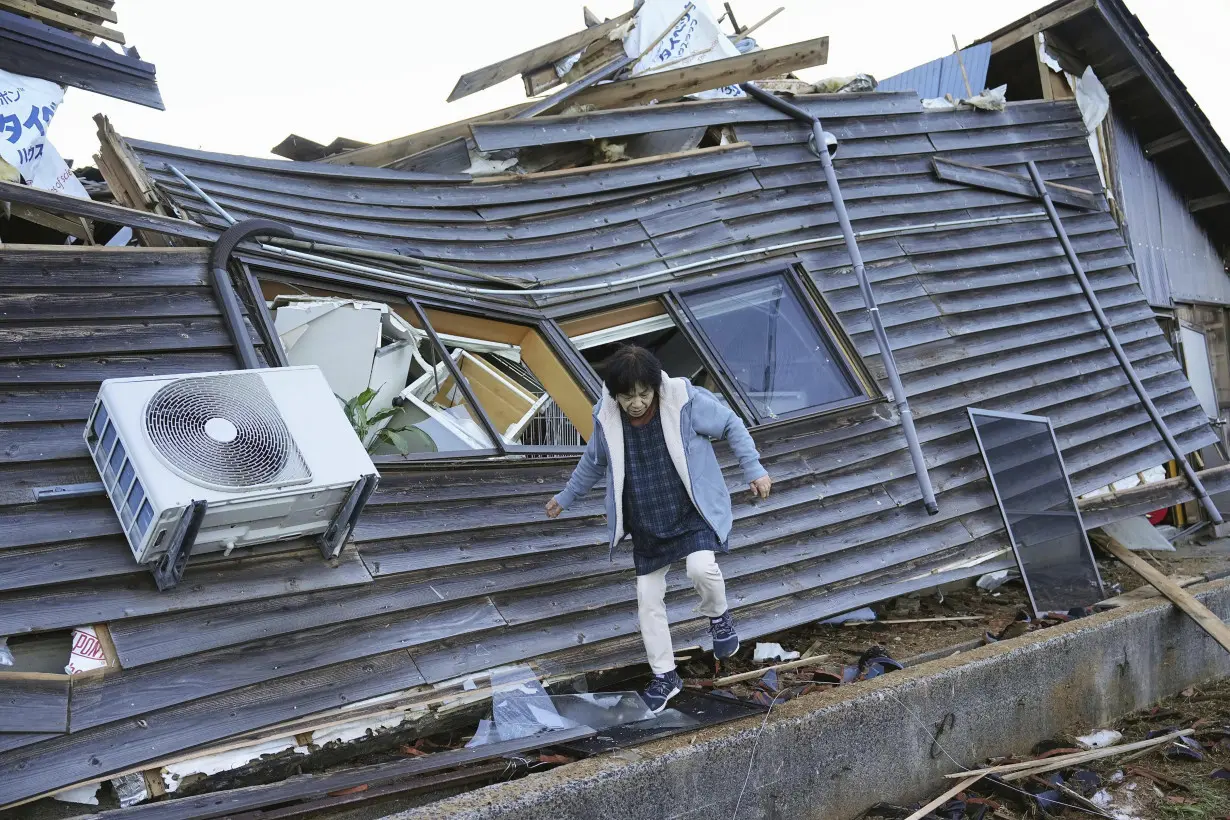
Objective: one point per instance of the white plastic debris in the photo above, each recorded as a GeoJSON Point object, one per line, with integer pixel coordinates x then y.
{"type": "Point", "coordinates": [87, 651]}
{"type": "Point", "coordinates": [772, 652]}
{"type": "Point", "coordinates": [994, 580]}
{"type": "Point", "coordinates": [939, 104]}
{"type": "Point", "coordinates": [1138, 534]}
{"type": "Point", "coordinates": [994, 99]}
{"type": "Point", "coordinates": [6, 654]}
{"type": "Point", "coordinates": [27, 105]}
{"type": "Point", "coordinates": [689, 40]}
{"type": "Point", "coordinates": [1099, 739]}
{"type": "Point", "coordinates": [87, 795]}
{"type": "Point", "coordinates": [864, 614]}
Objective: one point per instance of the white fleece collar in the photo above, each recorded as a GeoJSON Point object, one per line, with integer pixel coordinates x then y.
{"type": "Point", "coordinates": [672, 397]}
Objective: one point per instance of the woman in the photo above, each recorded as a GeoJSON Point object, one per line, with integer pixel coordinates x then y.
{"type": "Point", "coordinates": [652, 441]}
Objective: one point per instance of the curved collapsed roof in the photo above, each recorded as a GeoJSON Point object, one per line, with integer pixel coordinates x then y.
{"type": "Point", "coordinates": [453, 570]}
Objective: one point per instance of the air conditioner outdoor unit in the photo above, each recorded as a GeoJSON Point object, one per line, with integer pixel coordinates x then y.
{"type": "Point", "coordinates": [212, 461]}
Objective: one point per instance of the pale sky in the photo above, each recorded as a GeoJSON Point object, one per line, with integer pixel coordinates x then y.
{"type": "Point", "coordinates": [239, 75]}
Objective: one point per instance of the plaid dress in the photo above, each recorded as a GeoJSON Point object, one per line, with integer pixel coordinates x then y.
{"type": "Point", "coordinates": [659, 514]}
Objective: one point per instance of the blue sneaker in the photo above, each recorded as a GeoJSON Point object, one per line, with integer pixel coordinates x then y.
{"type": "Point", "coordinates": [661, 689]}
{"type": "Point", "coordinates": [725, 639]}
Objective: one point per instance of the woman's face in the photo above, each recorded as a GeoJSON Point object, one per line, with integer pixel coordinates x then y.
{"type": "Point", "coordinates": [638, 402]}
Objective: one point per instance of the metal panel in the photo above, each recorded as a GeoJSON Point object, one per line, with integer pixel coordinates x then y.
{"type": "Point", "coordinates": [1175, 258]}
{"type": "Point", "coordinates": [943, 76]}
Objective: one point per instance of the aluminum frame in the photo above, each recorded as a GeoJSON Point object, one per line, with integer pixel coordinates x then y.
{"type": "Point", "coordinates": [715, 362]}
{"type": "Point", "coordinates": [999, 501]}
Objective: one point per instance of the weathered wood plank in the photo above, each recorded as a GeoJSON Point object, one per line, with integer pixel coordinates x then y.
{"type": "Point", "coordinates": [64, 404]}
{"type": "Point", "coordinates": [15, 740]}
{"type": "Point", "coordinates": [1011, 183]}
{"type": "Point", "coordinates": [43, 266]}
{"type": "Point", "coordinates": [19, 341]}
{"type": "Point", "coordinates": [488, 76]}
{"type": "Point", "coordinates": [307, 786]}
{"type": "Point", "coordinates": [195, 675]}
{"type": "Point", "coordinates": [93, 754]}
{"type": "Point", "coordinates": [103, 212]}
{"type": "Point", "coordinates": [98, 366]}
{"type": "Point", "coordinates": [204, 585]}
{"type": "Point", "coordinates": [673, 83]}
{"type": "Point", "coordinates": [102, 304]}
{"type": "Point", "coordinates": [495, 136]}
{"type": "Point", "coordinates": [33, 703]}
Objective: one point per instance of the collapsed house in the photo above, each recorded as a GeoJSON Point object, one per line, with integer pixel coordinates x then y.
{"type": "Point", "coordinates": [479, 303]}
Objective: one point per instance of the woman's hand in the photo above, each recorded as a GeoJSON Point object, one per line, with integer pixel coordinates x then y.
{"type": "Point", "coordinates": [553, 509]}
{"type": "Point", "coordinates": [761, 487]}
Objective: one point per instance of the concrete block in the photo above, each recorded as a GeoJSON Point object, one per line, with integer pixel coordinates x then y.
{"type": "Point", "coordinates": [831, 755]}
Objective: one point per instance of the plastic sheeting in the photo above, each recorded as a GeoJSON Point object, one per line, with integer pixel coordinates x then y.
{"type": "Point", "coordinates": [520, 707]}
{"type": "Point", "coordinates": [694, 39]}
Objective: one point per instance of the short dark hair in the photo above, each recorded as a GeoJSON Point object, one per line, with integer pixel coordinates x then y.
{"type": "Point", "coordinates": [628, 366]}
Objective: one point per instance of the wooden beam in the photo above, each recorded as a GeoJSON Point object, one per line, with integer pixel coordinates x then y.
{"type": "Point", "coordinates": [750, 30]}
{"type": "Point", "coordinates": [1025, 29]}
{"type": "Point", "coordinates": [79, 228]}
{"type": "Point", "coordinates": [57, 18]}
{"type": "Point", "coordinates": [383, 154]}
{"type": "Point", "coordinates": [1167, 142]}
{"type": "Point", "coordinates": [1178, 596]}
{"type": "Point", "coordinates": [945, 797]}
{"type": "Point", "coordinates": [1206, 202]}
{"type": "Point", "coordinates": [678, 82]}
{"type": "Point", "coordinates": [488, 76]}
{"type": "Point", "coordinates": [102, 14]}
{"type": "Point", "coordinates": [104, 212]}
{"type": "Point", "coordinates": [996, 180]}
{"type": "Point", "coordinates": [1121, 78]}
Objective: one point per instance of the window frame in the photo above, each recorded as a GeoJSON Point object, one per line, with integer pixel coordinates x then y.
{"type": "Point", "coordinates": [677, 303]}
{"type": "Point", "coordinates": [814, 306]}
{"type": "Point", "coordinates": [500, 447]}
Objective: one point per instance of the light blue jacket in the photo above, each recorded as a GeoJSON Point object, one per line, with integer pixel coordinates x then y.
{"type": "Point", "coordinates": [692, 419]}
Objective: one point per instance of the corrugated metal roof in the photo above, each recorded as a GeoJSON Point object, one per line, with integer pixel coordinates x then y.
{"type": "Point", "coordinates": [943, 76]}
{"type": "Point", "coordinates": [455, 570]}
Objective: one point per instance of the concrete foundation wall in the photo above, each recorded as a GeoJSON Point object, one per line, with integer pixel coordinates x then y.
{"type": "Point", "coordinates": [831, 755]}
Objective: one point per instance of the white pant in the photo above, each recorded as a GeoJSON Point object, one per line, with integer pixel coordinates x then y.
{"type": "Point", "coordinates": [651, 600]}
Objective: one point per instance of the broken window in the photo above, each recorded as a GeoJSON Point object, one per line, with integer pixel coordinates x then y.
{"type": "Point", "coordinates": [528, 397]}
{"type": "Point", "coordinates": [399, 383]}
{"type": "Point", "coordinates": [772, 346]}
{"type": "Point", "coordinates": [648, 325]}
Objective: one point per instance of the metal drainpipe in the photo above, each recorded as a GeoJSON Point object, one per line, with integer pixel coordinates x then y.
{"type": "Point", "coordinates": [1124, 362]}
{"type": "Point", "coordinates": [886, 351]}
{"type": "Point", "coordinates": [220, 278]}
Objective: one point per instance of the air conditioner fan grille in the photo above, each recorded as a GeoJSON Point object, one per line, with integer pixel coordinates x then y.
{"type": "Point", "coordinates": [224, 431]}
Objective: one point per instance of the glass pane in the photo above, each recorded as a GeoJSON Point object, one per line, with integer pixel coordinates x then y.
{"type": "Point", "coordinates": [1034, 497]}
{"type": "Point", "coordinates": [656, 333]}
{"type": "Point", "coordinates": [771, 347]}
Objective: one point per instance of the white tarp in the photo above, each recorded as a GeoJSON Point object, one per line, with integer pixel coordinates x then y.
{"type": "Point", "coordinates": [26, 108]}
{"type": "Point", "coordinates": [694, 39]}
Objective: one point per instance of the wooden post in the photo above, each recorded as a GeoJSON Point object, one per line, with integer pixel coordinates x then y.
{"type": "Point", "coordinates": [1180, 597]}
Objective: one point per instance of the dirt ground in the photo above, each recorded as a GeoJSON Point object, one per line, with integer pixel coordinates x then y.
{"type": "Point", "coordinates": [900, 628]}
{"type": "Point", "coordinates": [1174, 781]}
{"type": "Point", "coordinates": [1170, 782]}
